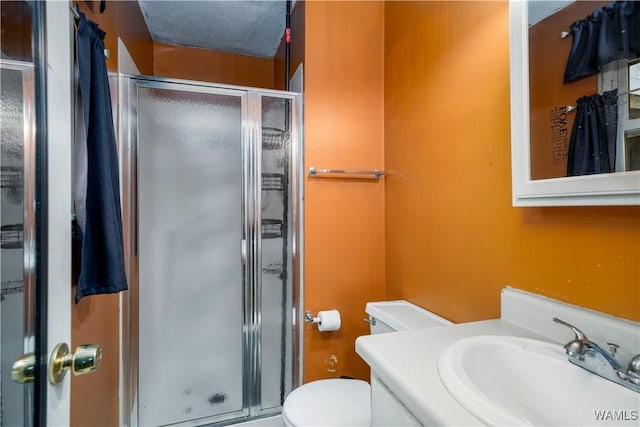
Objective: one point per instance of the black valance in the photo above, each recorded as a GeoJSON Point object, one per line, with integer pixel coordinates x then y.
{"type": "Point", "coordinates": [592, 146]}
{"type": "Point", "coordinates": [608, 34]}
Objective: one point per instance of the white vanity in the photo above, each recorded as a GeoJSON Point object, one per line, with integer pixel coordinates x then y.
{"type": "Point", "coordinates": [408, 389]}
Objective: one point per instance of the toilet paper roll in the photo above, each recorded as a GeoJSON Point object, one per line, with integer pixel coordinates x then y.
{"type": "Point", "coordinates": [329, 320]}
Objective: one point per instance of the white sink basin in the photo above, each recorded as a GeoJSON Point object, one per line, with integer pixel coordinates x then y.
{"type": "Point", "coordinates": [505, 380]}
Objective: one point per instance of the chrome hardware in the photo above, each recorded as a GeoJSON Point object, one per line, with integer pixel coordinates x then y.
{"type": "Point", "coordinates": [243, 251]}
{"type": "Point", "coordinates": [574, 348]}
{"type": "Point", "coordinates": [314, 172]}
{"type": "Point", "coordinates": [634, 366]}
{"type": "Point", "coordinates": [613, 348]}
{"type": "Point", "coordinates": [83, 361]}
{"type": "Point", "coordinates": [591, 357]}
{"type": "Point", "coordinates": [308, 317]}
{"type": "Point", "coordinates": [370, 320]}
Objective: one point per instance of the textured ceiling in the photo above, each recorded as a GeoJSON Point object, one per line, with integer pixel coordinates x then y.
{"type": "Point", "coordinates": [540, 9]}
{"type": "Point", "coordinates": [239, 26]}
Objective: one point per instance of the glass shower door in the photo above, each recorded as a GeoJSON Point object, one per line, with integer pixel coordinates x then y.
{"type": "Point", "coordinates": [211, 203]}
{"type": "Point", "coordinates": [190, 233]}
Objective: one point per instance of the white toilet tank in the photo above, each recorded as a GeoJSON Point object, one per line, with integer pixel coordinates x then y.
{"type": "Point", "coordinates": [400, 315]}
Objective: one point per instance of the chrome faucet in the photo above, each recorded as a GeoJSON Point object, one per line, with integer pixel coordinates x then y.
{"type": "Point", "coordinates": [590, 356]}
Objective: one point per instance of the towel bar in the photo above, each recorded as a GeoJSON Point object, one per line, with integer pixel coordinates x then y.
{"type": "Point", "coordinates": [314, 172]}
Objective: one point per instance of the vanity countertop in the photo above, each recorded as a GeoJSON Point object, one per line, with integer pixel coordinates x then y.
{"type": "Point", "coordinates": [407, 363]}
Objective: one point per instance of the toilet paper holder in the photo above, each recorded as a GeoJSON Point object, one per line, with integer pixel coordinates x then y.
{"type": "Point", "coordinates": [308, 317]}
{"type": "Point", "coordinates": [327, 320]}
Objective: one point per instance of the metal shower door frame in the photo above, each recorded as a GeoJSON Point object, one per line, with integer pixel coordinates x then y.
{"type": "Point", "coordinates": [251, 112]}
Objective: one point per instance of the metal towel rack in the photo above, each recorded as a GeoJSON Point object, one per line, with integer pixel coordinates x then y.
{"type": "Point", "coordinates": [314, 172]}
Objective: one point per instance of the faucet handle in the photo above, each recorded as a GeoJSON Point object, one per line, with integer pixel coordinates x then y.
{"type": "Point", "coordinates": [634, 366]}
{"type": "Point", "coordinates": [579, 335]}
{"type": "Point", "coordinates": [577, 346]}
{"type": "Point", "coordinates": [613, 348]}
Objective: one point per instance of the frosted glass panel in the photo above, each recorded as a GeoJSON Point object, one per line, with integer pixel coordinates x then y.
{"type": "Point", "coordinates": [11, 253]}
{"type": "Point", "coordinates": [276, 283]}
{"type": "Point", "coordinates": [190, 272]}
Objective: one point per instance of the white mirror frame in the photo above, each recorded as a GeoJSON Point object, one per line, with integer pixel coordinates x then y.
{"type": "Point", "coordinates": [589, 190]}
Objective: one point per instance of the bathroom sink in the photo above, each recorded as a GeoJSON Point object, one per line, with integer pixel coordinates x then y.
{"type": "Point", "coordinates": [504, 380]}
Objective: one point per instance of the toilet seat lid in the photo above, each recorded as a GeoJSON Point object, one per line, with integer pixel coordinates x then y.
{"type": "Point", "coordinates": [333, 402]}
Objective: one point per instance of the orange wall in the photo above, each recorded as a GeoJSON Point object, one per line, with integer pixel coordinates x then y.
{"type": "Point", "coordinates": [344, 219]}
{"type": "Point", "coordinates": [453, 240]}
{"type": "Point", "coordinates": [95, 319]}
{"type": "Point", "coordinates": [191, 63]}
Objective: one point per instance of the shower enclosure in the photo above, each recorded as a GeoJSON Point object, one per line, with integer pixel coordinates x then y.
{"type": "Point", "coordinates": [211, 204]}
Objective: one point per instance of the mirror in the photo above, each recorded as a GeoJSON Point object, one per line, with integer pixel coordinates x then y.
{"type": "Point", "coordinates": [543, 113]}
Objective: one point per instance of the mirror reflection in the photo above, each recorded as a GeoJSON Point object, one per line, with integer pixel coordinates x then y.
{"type": "Point", "coordinates": [634, 90]}
{"type": "Point", "coordinates": [584, 87]}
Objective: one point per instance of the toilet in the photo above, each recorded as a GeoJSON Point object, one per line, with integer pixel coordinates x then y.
{"type": "Point", "coordinates": [345, 402]}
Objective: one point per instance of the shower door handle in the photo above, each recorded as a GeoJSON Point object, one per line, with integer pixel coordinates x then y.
{"type": "Point", "coordinates": [243, 251]}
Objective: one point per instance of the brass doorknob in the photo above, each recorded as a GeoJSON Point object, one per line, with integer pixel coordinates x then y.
{"type": "Point", "coordinates": [24, 369]}
{"type": "Point", "coordinates": [83, 361]}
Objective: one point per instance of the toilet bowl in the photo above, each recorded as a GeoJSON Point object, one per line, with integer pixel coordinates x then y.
{"type": "Point", "coordinates": [333, 402]}
{"type": "Point", "coordinates": [345, 402]}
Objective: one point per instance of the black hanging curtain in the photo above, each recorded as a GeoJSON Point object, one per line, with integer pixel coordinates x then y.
{"type": "Point", "coordinates": [608, 34]}
{"type": "Point", "coordinates": [99, 241]}
{"type": "Point", "coordinates": [592, 146]}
